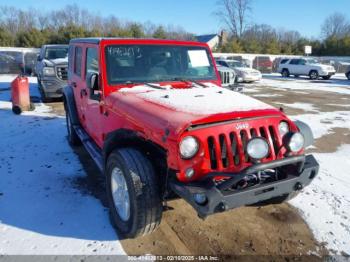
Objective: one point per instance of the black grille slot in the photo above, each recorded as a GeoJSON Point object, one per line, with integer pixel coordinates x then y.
{"type": "Point", "coordinates": [234, 149]}
{"type": "Point", "coordinates": [274, 139]}
{"type": "Point", "coordinates": [244, 139]}
{"type": "Point", "coordinates": [223, 147]}
{"type": "Point", "coordinates": [212, 154]}
{"type": "Point", "coordinates": [264, 135]}
{"type": "Point", "coordinates": [253, 132]}
{"type": "Point", "coordinates": [62, 73]}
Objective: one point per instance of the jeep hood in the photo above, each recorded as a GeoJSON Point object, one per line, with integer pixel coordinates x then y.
{"type": "Point", "coordinates": [181, 108]}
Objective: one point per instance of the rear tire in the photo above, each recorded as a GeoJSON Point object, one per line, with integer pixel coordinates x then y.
{"type": "Point", "coordinates": [348, 75]}
{"type": "Point", "coordinates": [313, 75]}
{"type": "Point", "coordinates": [72, 136]}
{"type": "Point", "coordinates": [134, 199]}
{"type": "Point", "coordinates": [285, 73]}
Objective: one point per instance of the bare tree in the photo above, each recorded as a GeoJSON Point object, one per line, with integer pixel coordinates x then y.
{"type": "Point", "coordinates": [234, 14]}
{"type": "Point", "coordinates": [336, 25]}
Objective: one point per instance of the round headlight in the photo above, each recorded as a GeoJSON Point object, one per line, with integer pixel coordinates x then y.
{"type": "Point", "coordinates": [283, 128]}
{"type": "Point", "coordinates": [296, 142]}
{"type": "Point", "coordinates": [257, 148]}
{"type": "Point", "coordinates": [188, 147]}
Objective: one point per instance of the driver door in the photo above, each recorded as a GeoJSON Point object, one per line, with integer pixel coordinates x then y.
{"type": "Point", "coordinates": [91, 98]}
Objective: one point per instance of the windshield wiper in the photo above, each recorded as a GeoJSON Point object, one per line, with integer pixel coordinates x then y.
{"type": "Point", "coordinates": [154, 86]}
{"type": "Point", "coordinates": [189, 81]}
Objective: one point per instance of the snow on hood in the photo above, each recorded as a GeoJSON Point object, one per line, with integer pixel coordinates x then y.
{"type": "Point", "coordinates": [199, 101]}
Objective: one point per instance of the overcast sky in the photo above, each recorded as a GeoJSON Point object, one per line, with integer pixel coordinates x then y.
{"type": "Point", "coordinates": [196, 16]}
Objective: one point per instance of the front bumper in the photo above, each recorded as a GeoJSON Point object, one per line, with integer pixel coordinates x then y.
{"type": "Point", "coordinates": [220, 199]}
{"type": "Point", "coordinates": [251, 78]}
{"type": "Point", "coordinates": [327, 73]}
{"type": "Point", "coordinates": [52, 86]}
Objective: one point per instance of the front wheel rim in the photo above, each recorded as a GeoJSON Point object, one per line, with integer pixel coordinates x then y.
{"type": "Point", "coordinates": [120, 194]}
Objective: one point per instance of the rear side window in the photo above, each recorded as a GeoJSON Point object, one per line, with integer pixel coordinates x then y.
{"type": "Point", "coordinates": [91, 60]}
{"type": "Point", "coordinates": [294, 61]}
{"type": "Point", "coordinates": [283, 61]}
{"type": "Point", "coordinates": [77, 60]}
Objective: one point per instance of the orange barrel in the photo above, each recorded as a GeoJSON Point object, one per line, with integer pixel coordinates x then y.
{"type": "Point", "coordinates": [20, 95]}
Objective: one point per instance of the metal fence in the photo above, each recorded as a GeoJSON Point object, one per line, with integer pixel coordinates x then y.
{"type": "Point", "coordinates": [269, 63]}
{"type": "Point", "coordinates": [18, 60]}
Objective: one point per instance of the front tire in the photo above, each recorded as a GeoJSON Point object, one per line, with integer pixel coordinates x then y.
{"type": "Point", "coordinates": [313, 75]}
{"type": "Point", "coordinates": [326, 77]}
{"type": "Point", "coordinates": [285, 73]}
{"type": "Point", "coordinates": [133, 193]}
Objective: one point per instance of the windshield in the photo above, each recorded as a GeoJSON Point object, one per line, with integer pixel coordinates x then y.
{"type": "Point", "coordinates": [155, 63]}
{"type": "Point", "coordinates": [56, 52]}
{"type": "Point", "coordinates": [236, 64]}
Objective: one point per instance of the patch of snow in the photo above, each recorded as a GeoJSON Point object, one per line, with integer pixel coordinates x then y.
{"type": "Point", "coordinates": [41, 209]}
{"type": "Point", "coordinates": [322, 124]}
{"type": "Point", "coordinates": [267, 95]}
{"type": "Point", "coordinates": [303, 106]}
{"type": "Point", "coordinates": [325, 204]}
{"type": "Point", "coordinates": [211, 100]}
{"type": "Point", "coordinates": [340, 105]}
{"type": "Point", "coordinates": [338, 84]}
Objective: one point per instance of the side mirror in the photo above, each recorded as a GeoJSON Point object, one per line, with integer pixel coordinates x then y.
{"type": "Point", "coordinates": [92, 81]}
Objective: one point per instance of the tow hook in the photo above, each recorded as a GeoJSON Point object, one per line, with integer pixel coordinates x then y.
{"type": "Point", "coordinates": [298, 186]}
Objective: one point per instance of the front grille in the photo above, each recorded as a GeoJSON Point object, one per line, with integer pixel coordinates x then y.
{"type": "Point", "coordinates": [225, 77]}
{"type": "Point", "coordinates": [228, 150]}
{"type": "Point", "coordinates": [62, 72]}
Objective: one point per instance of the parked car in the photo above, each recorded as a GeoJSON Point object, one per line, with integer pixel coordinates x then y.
{"type": "Point", "coordinates": [11, 62]}
{"type": "Point", "coordinates": [30, 61]}
{"type": "Point", "coordinates": [52, 70]}
{"type": "Point", "coordinates": [153, 116]}
{"type": "Point", "coordinates": [306, 67]}
{"type": "Point", "coordinates": [244, 73]}
{"type": "Point", "coordinates": [228, 77]}
{"type": "Point", "coordinates": [263, 64]}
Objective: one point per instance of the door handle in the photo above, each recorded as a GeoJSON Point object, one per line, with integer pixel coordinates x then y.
{"type": "Point", "coordinates": [83, 92]}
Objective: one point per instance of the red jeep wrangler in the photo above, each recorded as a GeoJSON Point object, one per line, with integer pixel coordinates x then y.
{"type": "Point", "coordinates": [157, 123]}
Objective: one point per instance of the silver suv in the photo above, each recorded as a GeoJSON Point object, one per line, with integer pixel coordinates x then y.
{"type": "Point", "coordinates": [305, 67]}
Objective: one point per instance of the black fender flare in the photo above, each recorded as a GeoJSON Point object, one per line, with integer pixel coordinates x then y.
{"type": "Point", "coordinates": [69, 104]}
{"type": "Point", "coordinates": [129, 138]}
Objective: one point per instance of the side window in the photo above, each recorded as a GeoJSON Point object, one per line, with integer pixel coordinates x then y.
{"type": "Point", "coordinates": [302, 62]}
{"type": "Point", "coordinates": [77, 60]}
{"type": "Point", "coordinates": [294, 62]}
{"type": "Point", "coordinates": [70, 58]}
{"type": "Point", "coordinates": [91, 61]}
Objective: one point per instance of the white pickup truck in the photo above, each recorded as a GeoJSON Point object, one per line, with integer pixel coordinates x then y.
{"type": "Point", "coordinates": [306, 67]}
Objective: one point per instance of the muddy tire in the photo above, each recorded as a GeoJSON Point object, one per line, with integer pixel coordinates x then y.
{"type": "Point", "coordinates": [313, 75]}
{"type": "Point", "coordinates": [72, 136]}
{"type": "Point", "coordinates": [133, 193]}
{"type": "Point", "coordinates": [285, 73]}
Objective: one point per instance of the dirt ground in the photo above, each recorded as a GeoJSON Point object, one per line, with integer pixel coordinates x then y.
{"type": "Point", "coordinates": [270, 230]}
